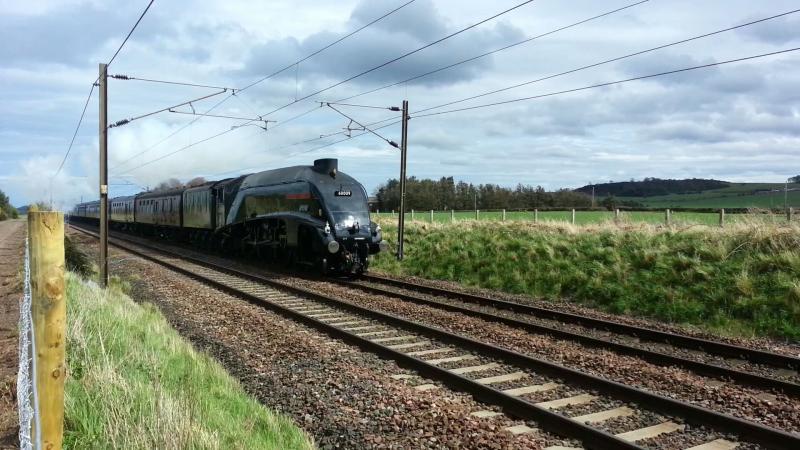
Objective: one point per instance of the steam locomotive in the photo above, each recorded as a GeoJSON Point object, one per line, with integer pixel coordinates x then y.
{"type": "Point", "coordinates": [310, 215]}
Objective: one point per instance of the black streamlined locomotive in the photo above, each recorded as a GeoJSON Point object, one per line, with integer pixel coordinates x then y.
{"type": "Point", "coordinates": [312, 215]}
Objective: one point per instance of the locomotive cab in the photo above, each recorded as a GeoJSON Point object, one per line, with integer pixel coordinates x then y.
{"type": "Point", "coordinates": [308, 214]}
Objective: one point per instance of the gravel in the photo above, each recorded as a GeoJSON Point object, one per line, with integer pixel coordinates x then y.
{"type": "Point", "coordinates": [779, 411]}
{"type": "Point", "coordinates": [737, 364]}
{"type": "Point", "coordinates": [345, 398]}
{"type": "Point", "coordinates": [766, 344]}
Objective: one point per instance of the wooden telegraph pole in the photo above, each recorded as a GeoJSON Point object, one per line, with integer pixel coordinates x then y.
{"type": "Point", "coordinates": [401, 223]}
{"type": "Point", "coordinates": [103, 263]}
{"type": "Point", "coordinates": [48, 310]}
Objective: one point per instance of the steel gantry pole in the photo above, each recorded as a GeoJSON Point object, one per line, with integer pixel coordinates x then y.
{"type": "Point", "coordinates": [103, 263]}
{"type": "Point", "coordinates": [403, 157]}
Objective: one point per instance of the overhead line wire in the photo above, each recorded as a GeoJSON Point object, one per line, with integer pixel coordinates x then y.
{"type": "Point", "coordinates": [83, 113]}
{"type": "Point", "coordinates": [379, 66]}
{"type": "Point", "coordinates": [72, 141]}
{"type": "Point", "coordinates": [177, 83]}
{"type": "Point", "coordinates": [328, 46]}
{"type": "Point", "coordinates": [524, 41]}
{"type": "Point", "coordinates": [464, 61]}
{"type": "Point", "coordinates": [607, 61]}
{"type": "Point", "coordinates": [262, 80]}
{"type": "Point", "coordinates": [130, 32]}
{"type": "Point", "coordinates": [599, 85]}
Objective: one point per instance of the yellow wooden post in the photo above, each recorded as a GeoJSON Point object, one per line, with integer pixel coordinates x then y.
{"type": "Point", "coordinates": [48, 309]}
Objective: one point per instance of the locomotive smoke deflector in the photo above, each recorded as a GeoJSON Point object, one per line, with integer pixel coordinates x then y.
{"type": "Point", "coordinates": [326, 165]}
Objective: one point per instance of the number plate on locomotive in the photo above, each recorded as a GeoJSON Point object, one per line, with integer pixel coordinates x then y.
{"type": "Point", "coordinates": [342, 193]}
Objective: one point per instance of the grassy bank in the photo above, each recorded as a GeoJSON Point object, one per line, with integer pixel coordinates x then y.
{"type": "Point", "coordinates": [134, 383]}
{"type": "Point", "coordinates": [585, 217]}
{"type": "Point", "coordinates": [743, 279]}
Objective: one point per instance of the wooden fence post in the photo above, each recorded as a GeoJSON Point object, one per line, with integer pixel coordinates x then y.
{"type": "Point", "coordinates": [452, 215]}
{"type": "Point", "coordinates": [412, 214]}
{"type": "Point", "coordinates": [431, 216]}
{"type": "Point", "coordinates": [573, 216]}
{"type": "Point", "coordinates": [667, 217]}
{"type": "Point", "coordinates": [477, 214]}
{"type": "Point", "coordinates": [789, 213]}
{"type": "Point", "coordinates": [504, 214]}
{"type": "Point", "coordinates": [616, 215]}
{"type": "Point", "coordinates": [722, 217]}
{"type": "Point", "coordinates": [535, 216]}
{"type": "Point", "coordinates": [48, 310]}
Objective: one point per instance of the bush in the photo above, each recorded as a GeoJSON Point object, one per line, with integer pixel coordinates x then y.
{"type": "Point", "coordinates": [76, 260]}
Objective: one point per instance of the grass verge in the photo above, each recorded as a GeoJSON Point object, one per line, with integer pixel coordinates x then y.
{"type": "Point", "coordinates": [743, 279]}
{"type": "Point", "coordinates": [135, 383]}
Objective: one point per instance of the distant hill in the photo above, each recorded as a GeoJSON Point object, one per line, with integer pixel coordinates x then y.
{"type": "Point", "coordinates": [700, 193]}
{"type": "Point", "coordinates": [22, 210]}
{"type": "Point", "coordinates": [650, 187]}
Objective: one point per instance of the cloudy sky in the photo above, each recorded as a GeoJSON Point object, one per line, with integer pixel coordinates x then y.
{"type": "Point", "coordinates": [738, 122]}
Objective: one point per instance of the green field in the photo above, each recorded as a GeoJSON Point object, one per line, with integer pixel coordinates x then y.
{"type": "Point", "coordinates": [583, 217]}
{"type": "Point", "coordinates": [737, 195]}
{"type": "Point", "coordinates": [743, 279]}
{"type": "Point", "coordinates": [135, 383]}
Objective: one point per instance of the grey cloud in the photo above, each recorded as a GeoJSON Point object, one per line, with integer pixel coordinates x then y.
{"type": "Point", "coordinates": [412, 27]}
{"type": "Point", "coordinates": [685, 132]}
{"type": "Point", "coordinates": [777, 31]}
{"type": "Point", "coordinates": [60, 37]}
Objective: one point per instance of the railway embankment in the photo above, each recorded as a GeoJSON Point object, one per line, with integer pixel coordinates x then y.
{"type": "Point", "coordinates": [134, 382]}
{"type": "Point", "coordinates": [342, 397]}
{"type": "Point", "coordinates": [741, 280]}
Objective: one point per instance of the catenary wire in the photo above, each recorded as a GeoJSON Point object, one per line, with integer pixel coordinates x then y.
{"type": "Point", "coordinates": [83, 113]}
{"type": "Point", "coordinates": [177, 83]}
{"type": "Point", "coordinates": [462, 30]}
{"type": "Point", "coordinates": [599, 85]}
{"type": "Point", "coordinates": [327, 46]}
{"type": "Point", "coordinates": [130, 32]}
{"type": "Point", "coordinates": [607, 61]}
{"type": "Point", "coordinates": [320, 50]}
{"type": "Point", "coordinates": [492, 52]}
{"type": "Point", "coordinates": [464, 61]}
{"type": "Point", "coordinates": [77, 127]}
{"type": "Point", "coordinates": [398, 58]}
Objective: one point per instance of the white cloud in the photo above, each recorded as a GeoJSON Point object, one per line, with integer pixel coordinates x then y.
{"type": "Point", "coordinates": [738, 122]}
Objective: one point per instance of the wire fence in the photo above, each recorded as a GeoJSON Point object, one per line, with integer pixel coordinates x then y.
{"type": "Point", "coordinates": [706, 216]}
{"type": "Point", "coordinates": [27, 396]}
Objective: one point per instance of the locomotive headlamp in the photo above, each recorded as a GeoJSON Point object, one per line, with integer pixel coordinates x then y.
{"type": "Point", "coordinates": [333, 246]}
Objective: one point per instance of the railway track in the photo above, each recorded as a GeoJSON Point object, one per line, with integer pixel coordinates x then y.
{"type": "Point", "coordinates": [771, 371]}
{"type": "Point", "coordinates": [561, 400]}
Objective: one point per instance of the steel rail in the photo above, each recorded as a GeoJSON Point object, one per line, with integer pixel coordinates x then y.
{"type": "Point", "coordinates": [744, 429]}
{"type": "Point", "coordinates": [654, 357]}
{"type": "Point", "coordinates": [517, 407]}
{"type": "Point", "coordinates": [678, 340]}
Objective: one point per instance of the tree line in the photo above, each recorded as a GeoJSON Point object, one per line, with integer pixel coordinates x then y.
{"type": "Point", "coordinates": [446, 193]}
{"type": "Point", "coordinates": [649, 187]}
{"type": "Point", "coordinates": [7, 211]}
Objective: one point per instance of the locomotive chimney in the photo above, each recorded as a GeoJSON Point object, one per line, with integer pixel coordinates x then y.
{"type": "Point", "coordinates": [326, 165]}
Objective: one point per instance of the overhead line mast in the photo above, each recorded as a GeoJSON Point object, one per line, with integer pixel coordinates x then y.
{"type": "Point", "coordinates": [261, 80]}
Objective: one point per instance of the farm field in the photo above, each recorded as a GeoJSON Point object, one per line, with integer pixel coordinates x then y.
{"type": "Point", "coordinates": [737, 280]}
{"type": "Point", "coordinates": [737, 195]}
{"type": "Point", "coordinates": [582, 217]}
